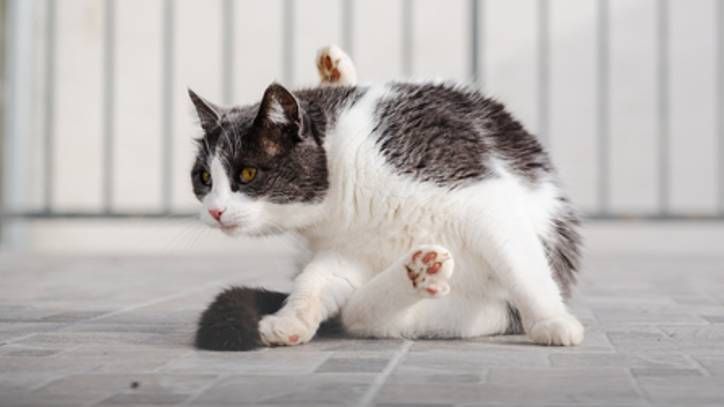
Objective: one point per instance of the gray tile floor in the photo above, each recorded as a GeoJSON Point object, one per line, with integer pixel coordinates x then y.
{"type": "Point", "coordinates": [116, 331]}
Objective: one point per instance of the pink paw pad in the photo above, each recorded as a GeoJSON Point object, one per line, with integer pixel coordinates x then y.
{"type": "Point", "coordinates": [429, 256]}
{"type": "Point", "coordinates": [429, 269]}
{"type": "Point", "coordinates": [434, 268]}
{"type": "Point", "coordinates": [330, 62]}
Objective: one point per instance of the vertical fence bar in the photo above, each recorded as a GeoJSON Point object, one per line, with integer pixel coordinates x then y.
{"type": "Point", "coordinates": [719, 80]}
{"type": "Point", "coordinates": [167, 95]}
{"type": "Point", "coordinates": [543, 70]}
{"type": "Point", "coordinates": [348, 27]}
{"type": "Point", "coordinates": [288, 43]}
{"type": "Point", "coordinates": [108, 77]}
{"type": "Point", "coordinates": [227, 51]}
{"type": "Point", "coordinates": [482, 36]}
{"type": "Point", "coordinates": [407, 37]}
{"type": "Point", "coordinates": [49, 113]}
{"type": "Point", "coordinates": [3, 117]}
{"type": "Point", "coordinates": [475, 42]}
{"type": "Point", "coordinates": [18, 105]}
{"type": "Point", "coordinates": [662, 117]}
{"type": "Point", "coordinates": [603, 71]}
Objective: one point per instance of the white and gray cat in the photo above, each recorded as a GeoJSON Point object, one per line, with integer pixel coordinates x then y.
{"type": "Point", "coordinates": [431, 212]}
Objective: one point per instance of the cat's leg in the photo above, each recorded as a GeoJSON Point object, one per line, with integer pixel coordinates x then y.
{"type": "Point", "coordinates": [505, 238]}
{"type": "Point", "coordinates": [381, 306]}
{"type": "Point", "coordinates": [335, 67]}
{"type": "Point", "coordinates": [319, 291]}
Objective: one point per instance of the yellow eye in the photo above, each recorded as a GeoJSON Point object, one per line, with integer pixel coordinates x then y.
{"type": "Point", "coordinates": [205, 178]}
{"type": "Point", "coordinates": [247, 174]}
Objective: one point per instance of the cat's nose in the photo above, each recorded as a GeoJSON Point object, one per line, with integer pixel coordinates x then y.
{"type": "Point", "coordinates": [216, 213]}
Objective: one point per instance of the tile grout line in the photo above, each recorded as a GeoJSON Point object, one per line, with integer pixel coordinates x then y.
{"type": "Point", "coordinates": [381, 379]}
{"type": "Point", "coordinates": [54, 379]}
{"type": "Point", "coordinates": [637, 386]}
{"type": "Point", "coordinates": [193, 397]}
{"type": "Point", "coordinates": [220, 378]}
{"type": "Point", "coordinates": [117, 312]}
{"type": "Point", "coordinates": [697, 365]}
{"type": "Point", "coordinates": [149, 303]}
{"type": "Point", "coordinates": [109, 314]}
{"type": "Point", "coordinates": [159, 369]}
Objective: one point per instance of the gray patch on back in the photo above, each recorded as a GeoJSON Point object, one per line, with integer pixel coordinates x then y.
{"type": "Point", "coordinates": [431, 133]}
{"type": "Point", "coordinates": [448, 135]}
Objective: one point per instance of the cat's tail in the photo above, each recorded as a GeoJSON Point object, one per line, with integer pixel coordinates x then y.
{"type": "Point", "coordinates": [231, 322]}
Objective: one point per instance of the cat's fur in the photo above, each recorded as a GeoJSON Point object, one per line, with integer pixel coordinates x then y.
{"type": "Point", "coordinates": [430, 211]}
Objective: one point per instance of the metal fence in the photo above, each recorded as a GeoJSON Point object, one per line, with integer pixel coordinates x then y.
{"type": "Point", "coordinates": [477, 57]}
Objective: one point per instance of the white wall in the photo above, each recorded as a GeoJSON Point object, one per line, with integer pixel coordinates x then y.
{"type": "Point", "coordinates": [440, 49]}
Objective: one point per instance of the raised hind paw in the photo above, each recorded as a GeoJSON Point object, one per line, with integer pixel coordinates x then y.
{"type": "Point", "coordinates": [564, 330]}
{"type": "Point", "coordinates": [429, 269]}
{"type": "Point", "coordinates": [335, 67]}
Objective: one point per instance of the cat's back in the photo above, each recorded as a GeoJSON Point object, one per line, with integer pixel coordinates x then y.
{"type": "Point", "coordinates": [443, 133]}
{"type": "Point", "coordinates": [438, 132]}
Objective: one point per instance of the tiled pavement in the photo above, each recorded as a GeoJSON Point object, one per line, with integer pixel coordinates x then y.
{"type": "Point", "coordinates": [115, 331]}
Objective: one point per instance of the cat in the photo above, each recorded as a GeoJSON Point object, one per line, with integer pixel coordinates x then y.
{"type": "Point", "coordinates": [430, 212]}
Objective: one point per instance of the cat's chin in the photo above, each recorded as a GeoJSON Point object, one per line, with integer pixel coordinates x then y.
{"type": "Point", "coordinates": [233, 231]}
{"type": "Point", "coordinates": [236, 230]}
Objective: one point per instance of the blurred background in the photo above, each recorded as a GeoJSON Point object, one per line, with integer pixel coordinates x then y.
{"type": "Point", "coordinates": [96, 128]}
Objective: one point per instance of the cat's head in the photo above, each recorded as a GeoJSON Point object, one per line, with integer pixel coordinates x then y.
{"type": "Point", "coordinates": [259, 169]}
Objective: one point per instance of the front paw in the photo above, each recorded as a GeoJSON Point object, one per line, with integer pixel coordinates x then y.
{"type": "Point", "coordinates": [562, 330]}
{"type": "Point", "coordinates": [284, 330]}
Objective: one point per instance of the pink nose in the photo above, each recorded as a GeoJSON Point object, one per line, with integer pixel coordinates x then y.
{"type": "Point", "coordinates": [216, 213]}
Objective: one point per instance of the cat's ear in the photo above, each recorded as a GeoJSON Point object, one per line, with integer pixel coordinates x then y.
{"type": "Point", "coordinates": [209, 114]}
{"type": "Point", "coordinates": [280, 108]}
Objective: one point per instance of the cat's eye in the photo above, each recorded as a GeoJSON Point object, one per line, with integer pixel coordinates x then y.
{"type": "Point", "coordinates": [205, 178]}
{"type": "Point", "coordinates": [247, 174]}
